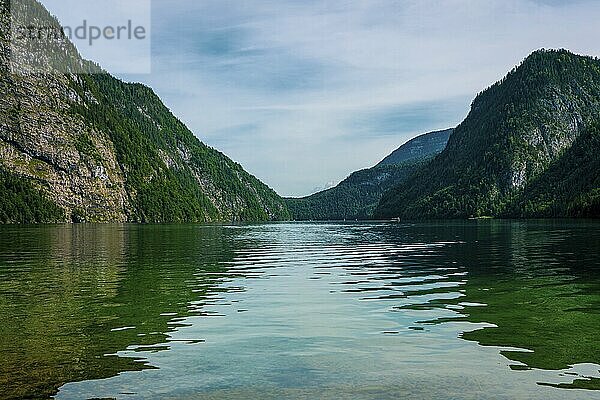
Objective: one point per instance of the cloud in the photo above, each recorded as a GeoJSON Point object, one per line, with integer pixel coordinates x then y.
{"type": "Point", "coordinates": [302, 93]}
{"type": "Point", "coordinates": [408, 118]}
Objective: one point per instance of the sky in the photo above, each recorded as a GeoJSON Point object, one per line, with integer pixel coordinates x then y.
{"type": "Point", "coordinates": [303, 92]}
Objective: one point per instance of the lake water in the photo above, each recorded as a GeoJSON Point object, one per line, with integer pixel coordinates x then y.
{"type": "Point", "coordinates": [451, 310]}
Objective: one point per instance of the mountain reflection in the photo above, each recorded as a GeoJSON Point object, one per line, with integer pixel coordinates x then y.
{"type": "Point", "coordinates": [536, 282]}
{"type": "Point", "coordinates": [309, 310]}
{"type": "Point", "coordinates": [74, 296]}
{"type": "Point", "coordinates": [545, 298]}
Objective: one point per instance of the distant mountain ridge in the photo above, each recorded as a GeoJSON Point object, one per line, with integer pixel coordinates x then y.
{"type": "Point", "coordinates": [422, 146]}
{"type": "Point", "coordinates": [88, 147]}
{"type": "Point", "coordinates": [91, 148]}
{"type": "Point", "coordinates": [528, 148]}
{"type": "Point", "coordinates": [357, 196]}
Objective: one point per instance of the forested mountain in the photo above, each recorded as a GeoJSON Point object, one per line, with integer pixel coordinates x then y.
{"type": "Point", "coordinates": [423, 146]}
{"type": "Point", "coordinates": [529, 147]}
{"type": "Point", "coordinates": [357, 196]}
{"type": "Point", "coordinates": [569, 187]}
{"type": "Point", "coordinates": [88, 147]}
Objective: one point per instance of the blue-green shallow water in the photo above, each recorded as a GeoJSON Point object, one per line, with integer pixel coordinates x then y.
{"type": "Point", "coordinates": [454, 310]}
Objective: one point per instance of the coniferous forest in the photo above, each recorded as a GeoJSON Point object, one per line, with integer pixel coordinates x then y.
{"type": "Point", "coordinates": [87, 147]}
{"type": "Point", "coordinates": [528, 148]}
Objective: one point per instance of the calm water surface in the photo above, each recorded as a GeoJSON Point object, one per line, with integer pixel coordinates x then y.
{"type": "Point", "coordinates": [455, 310]}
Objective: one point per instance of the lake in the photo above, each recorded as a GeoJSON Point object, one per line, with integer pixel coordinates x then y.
{"type": "Point", "coordinates": [452, 310]}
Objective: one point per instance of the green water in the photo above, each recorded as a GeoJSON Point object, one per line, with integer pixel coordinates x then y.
{"type": "Point", "coordinates": [455, 310]}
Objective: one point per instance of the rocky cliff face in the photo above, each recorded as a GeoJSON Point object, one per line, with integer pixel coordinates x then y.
{"type": "Point", "coordinates": [104, 150]}
{"type": "Point", "coordinates": [516, 130]}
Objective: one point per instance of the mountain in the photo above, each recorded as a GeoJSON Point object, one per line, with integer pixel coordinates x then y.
{"type": "Point", "coordinates": [569, 187]}
{"type": "Point", "coordinates": [423, 146]}
{"type": "Point", "coordinates": [77, 144]}
{"type": "Point", "coordinates": [529, 147]}
{"type": "Point", "coordinates": [357, 196]}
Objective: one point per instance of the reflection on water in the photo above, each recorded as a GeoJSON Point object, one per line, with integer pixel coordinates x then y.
{"type": "Point", "coordinates": [73, 296]}
{"type": "Point", "coordinates": [457, 309]}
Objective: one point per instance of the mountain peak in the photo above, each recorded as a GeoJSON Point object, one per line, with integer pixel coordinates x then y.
{"type": "Point", "coordinates": [357, 196]}
{"type": "Point", "coordinates": [88, 147]}
{"type": "Point", "coordinates": [51, 52]}
{"type": "Point", "coordinates": [423, 146]}
{"type": "Point", "coordinates": [515, 130]}
{"type": "Point", "coordinates": [542, 69]}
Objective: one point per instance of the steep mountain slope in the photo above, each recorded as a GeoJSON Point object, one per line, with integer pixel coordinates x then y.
{"type": "Point", "coordinates": [499, 161]}
{"type": "Point", "coordinates": [99, 149]}
{"type": "Point", "coordinates": [570, 187]}
{"type": "Point", "coordinates": [420, 147]}
{"type": "Point", "coordinates": [357, 196]}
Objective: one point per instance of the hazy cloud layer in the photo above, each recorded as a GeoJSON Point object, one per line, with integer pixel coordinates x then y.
{"type": "Point", "coordinates": [303, 92]}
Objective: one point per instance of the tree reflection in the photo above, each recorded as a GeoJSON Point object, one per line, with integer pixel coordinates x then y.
{"type": "Point", "coordinates": [71, 297]}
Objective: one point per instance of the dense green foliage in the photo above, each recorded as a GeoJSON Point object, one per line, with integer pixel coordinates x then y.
{"type": "Point", "coordinates": [21, 202]}
{"type": "Point", "coordinates": [570, 187]}
{"type": "Point", "coordinates": [168, 174]}
{"type": "Point", "coordinates": [358, 195]}
{"type": "Point", "coordinates": [161, 158]}
{"type": "Point", "coordinates": [354, 198]}
{"type": "Point", "coordinates": [420, 147]}
{"type": "Point", "coordinates": [516, 130]}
